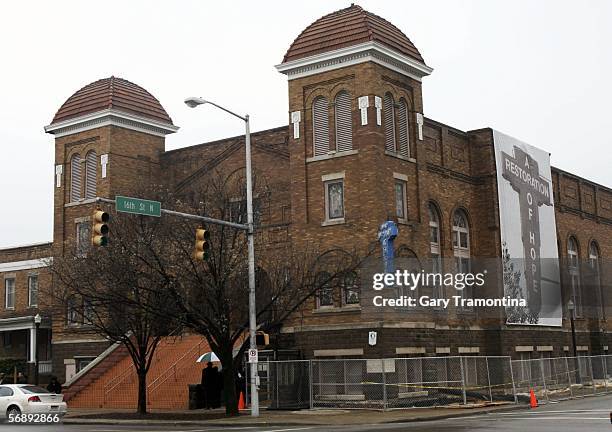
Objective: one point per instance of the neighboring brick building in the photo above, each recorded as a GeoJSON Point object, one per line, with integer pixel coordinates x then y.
{"type": "Point", "coordinates": [357, 152]}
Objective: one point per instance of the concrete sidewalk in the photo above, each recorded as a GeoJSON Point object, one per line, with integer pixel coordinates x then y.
{"type": "Point", "coordinates": [282, 418]}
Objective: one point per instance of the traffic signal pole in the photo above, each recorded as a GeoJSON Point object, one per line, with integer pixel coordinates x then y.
{"type": "Point", "coordinates": [206, 219]}
{"type": "Point", "coordinates": [249, 228]}
{"type": "Point", "coordinates": [251, 246]}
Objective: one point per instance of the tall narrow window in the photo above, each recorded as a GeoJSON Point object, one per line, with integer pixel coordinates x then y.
{"type": "Point", "coordinates": [434, 247]}
{"type": "Point", "coordinates": [320, 126]}
{"type": "Point", "coordinates": [334, 200]}
{"type": "Point", "coordinates": [91, 167]}
{"type": "Point", "coordinates": [596, 277]}
{"type": "Point", "coordinates": [9, 293]}
{"type": "Point", "coordinates": [83, 238]}
{"type": "Point", "coordinates": [72, 315]}
{"type": "Point", "coordinates": [344, 123]}
{"type": "Point", "coordinates": [325, 297]}
{"type": "Point", "coordinates": [404, 129]}
{"type": "Point", "coordinates": [75, 178]}
{"type": "Point", "coordinates": [400, 200]}
{"type": "Point", "coordinates": [389, 122]}
{"type": "Point", "coordinates": [461, 247]}
{"type": "Point", "coordinates": [350, 289]}
{"type": "Point", "coordinates": [33, 290]}
{"type": "Point", "coordinates": [573, 269]}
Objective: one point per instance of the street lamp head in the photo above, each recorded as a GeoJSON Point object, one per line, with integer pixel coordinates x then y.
{"type": "Point", "coordinates": [193, 102]}
{"type": "Point", "coordinates": [37, 319]}
{"type": "Point", "coordinates": [570, 305]}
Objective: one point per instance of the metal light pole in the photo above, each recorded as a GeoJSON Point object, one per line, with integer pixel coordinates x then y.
{"type": "Point", "coordinates": [37, 321]}
{"type": "Point", "coordinates": [193, 102]}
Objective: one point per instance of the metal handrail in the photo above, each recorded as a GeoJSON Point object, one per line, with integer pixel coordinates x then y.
{"type": "Point", "coordinates": [165, 375]}
{"type": "Point", "coordinates": [118, 379]}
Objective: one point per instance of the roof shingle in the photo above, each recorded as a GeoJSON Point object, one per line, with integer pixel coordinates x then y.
{"type": "Point", "coordinates": [115, 93]}
{"type": "Point", "coordinates": [347, 27]}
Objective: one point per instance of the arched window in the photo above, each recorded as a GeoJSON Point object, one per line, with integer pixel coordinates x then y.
{"type": "Point", "coordinates": [389, 122]}
{"type": "Point", "coordinates": [573, 269]}
{"type": "Point", "coordinates": [344, 123]}
{"type": "Point", "coordinates": [461, 234]}
{"type": "Point", "coordinates": [434, 230]}
{"type": "Point", "coordinates": [90, 174]}
{"type": "Point", "coordinates": [461, 247]}
{"type": "Point", "coordinates": [434, 246]}
{"type": "Point", "coordinates": [320, 126]}
{"type": "Point", "coordinates": [325, 295]}
{"type": "Point", "coordinates": [75, 178]}
{"type": "Point", "coordinates": [404, 128]}
{"type": "Point", "coordinates": [596, 277]}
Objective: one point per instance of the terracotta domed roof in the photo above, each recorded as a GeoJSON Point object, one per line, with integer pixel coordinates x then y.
{"type": "Point", "coordinates": [346, 27]}
{"type": "Point", "coordinates": [112, 93]}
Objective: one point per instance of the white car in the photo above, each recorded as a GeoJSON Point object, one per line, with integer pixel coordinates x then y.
{"type": "Point", "coordinates": [17, 399]}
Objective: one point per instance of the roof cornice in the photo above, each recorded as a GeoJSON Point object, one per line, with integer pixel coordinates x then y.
{"type": "Point", "coordinates": [361, 53]}
{"type": "Point", "coordinates": [110, 117]}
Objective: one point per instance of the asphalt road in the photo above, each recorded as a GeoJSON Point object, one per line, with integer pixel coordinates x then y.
{"type": "Point", "coordinates": [591, 414]}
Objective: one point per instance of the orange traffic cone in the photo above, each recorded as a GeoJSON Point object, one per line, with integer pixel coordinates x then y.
{"type": "Point", "coordinates": [533, 402]}
{"type": "Point", "coordinates": [241, 401]}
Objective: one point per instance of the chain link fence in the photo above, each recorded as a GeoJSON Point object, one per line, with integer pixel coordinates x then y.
{"type": "Point", "coordinates": [563, 377]}
{"type": "Point", "coordinates": [428, 381]}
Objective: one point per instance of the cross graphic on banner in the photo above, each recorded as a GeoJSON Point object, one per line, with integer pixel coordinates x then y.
{"type": "Point", "coordinates": [523, 174]}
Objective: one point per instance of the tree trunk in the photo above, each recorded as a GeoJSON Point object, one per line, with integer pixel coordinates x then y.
{"type": "Point", "coordinates": [142, 392]}
{"type": "Point", "coordinates": [229, 386]}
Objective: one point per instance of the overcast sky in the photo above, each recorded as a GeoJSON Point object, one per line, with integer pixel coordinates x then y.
{"type": "Point", "coordinates": [537, 70]}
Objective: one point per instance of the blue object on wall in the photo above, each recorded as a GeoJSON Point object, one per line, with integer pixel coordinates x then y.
{"type": "Point", "coordinates": [386, 234]}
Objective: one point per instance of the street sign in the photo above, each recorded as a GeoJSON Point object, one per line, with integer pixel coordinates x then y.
{"type": "Point", "coordinates": [137, 206]}
{"type": "Point", "coordinates": [253, 356]}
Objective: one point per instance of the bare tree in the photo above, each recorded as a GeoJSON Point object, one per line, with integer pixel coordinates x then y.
{"type": "Point", "coordinates": [147, 281]}
{"type": "Point", "coordinates": [212, 295]}
{"type": "Point", "coordinates": [115, 291]}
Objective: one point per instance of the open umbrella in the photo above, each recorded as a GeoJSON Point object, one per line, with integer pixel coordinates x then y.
{"type": "Point", "coordinates": [208, 357]}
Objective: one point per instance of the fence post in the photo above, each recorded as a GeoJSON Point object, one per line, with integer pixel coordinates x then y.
{"type": "Point", "coordinates": [246, 386]}
{"type": "Point", "coordinates": [569, 378]}
{"type": "Point", "coordinates": [276, 374]}
{"type": "Point", "coordinates": [604, 362]}
{"type": "Point", "coordinates": [512, 379]}
{"type": "Point", "coordinates": [310, 379]}
{"type": "Point", "coordinates": [462, 381]}
{"type": "Point", "coordinates": [384, 383]}
{"type": "Point", "coordinates": [489, 379]}
{"type": "Point", "coordinates": [269, 393]}
{"type": "Point", "coordinates": [592, 374]}
{"type": "Point", "coordinates": [543, 377]}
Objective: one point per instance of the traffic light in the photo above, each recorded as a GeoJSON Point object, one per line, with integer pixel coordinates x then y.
{"type": "Point", "coordinates": [201, 244]}
{"type": "Point", "coordinates": [99, 228]}
{"type": "Point", "coordinates": [262, 339]}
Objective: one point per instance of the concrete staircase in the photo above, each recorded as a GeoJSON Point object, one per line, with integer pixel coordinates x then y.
{"type": "Point", "coordinates": [114, 384]}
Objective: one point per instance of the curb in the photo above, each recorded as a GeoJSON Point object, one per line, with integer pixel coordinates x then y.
{"type": "Point", "coordinates": [458, 415]}
{"type": "Point", "coordinates": [79, 421]}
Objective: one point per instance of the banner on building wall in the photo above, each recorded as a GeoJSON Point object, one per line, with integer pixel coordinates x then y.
{"type": "Point", "coordinates": [528, 232]}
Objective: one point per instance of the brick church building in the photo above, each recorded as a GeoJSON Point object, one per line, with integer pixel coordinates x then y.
{"type": "Point", "coordinates": [357, 151]}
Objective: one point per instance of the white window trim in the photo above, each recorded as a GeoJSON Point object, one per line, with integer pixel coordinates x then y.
{"type": "Point", "coordinates": [6, 306]}
{"type": "Point", "coordinates": [30, 304]}
{"type": "Point", "coordinates": [326, 184]}
{"type": "Point", "coordinates": [404, 180]}
{"type": "Point", "coordinates": [77, 222]}
{"type": "Point", "coordinates": [333, 176]}
{"type": "Point", "coordinates": [400, 156]}
{"type": "Point", "coordinates": [331, 155]}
